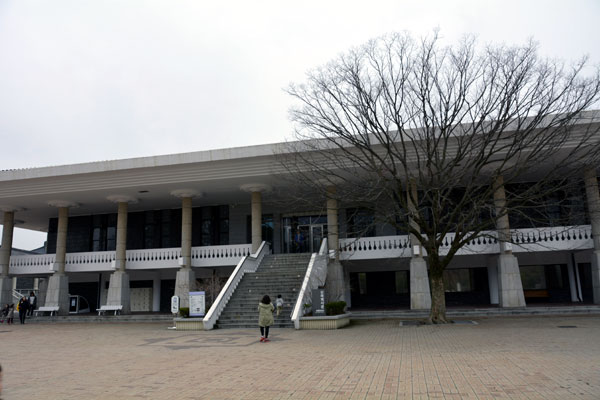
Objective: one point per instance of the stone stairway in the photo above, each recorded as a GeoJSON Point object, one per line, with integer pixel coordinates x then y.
{"type": "Point", "coordinates": [278, 274]}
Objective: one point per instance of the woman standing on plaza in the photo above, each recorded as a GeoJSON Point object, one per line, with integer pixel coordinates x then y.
{"type": "Point", "coordinates": [23, 309]}
{"type": "Point", "coordinates": [265, 317]}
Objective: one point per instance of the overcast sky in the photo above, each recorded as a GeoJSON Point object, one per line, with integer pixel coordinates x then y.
{"type": "Point", "coordinates": [95, 80]}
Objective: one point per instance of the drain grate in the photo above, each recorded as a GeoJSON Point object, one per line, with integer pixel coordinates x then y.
{"type": "Point", "coordinates": [567, 326]}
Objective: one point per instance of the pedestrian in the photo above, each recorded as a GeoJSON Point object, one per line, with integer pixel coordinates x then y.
{"type": "Point", "coordinates": [279, 304]}
{"type": "Point", "coordinates": [11, 314]}
{"type": "Point", "coordinates": [23, 309]}
{"type": "Point", "coordinates": [32, 303]}
{"type": "Point", "coordinates": [265, 317]}
{"type": "Point", "coordinates": [4, 313]}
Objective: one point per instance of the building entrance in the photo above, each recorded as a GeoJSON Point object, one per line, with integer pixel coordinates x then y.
{"type": "Point", "coordinates": [303, 234]}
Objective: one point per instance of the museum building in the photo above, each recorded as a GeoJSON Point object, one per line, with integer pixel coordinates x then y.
{"type": "Point", "coordinates": [134, 232]}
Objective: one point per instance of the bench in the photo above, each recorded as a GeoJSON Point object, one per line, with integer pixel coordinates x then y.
{"type": "Point", "coordinates": [50, 309]}
{"type": "Point", "coordinates": [537, 293]}
{"type": "Point", "coordinates": [103, 309]}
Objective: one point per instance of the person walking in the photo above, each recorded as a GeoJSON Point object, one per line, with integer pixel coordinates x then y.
{"type": "Point", "coordinates": [23, 309]}
{"type": "Point", "coordinates": [265, 317]}
{"type": "Point", "coordinates": [11, 314]}
{"type": "Point", "coordinates": [279, 304]}
{"type": "Point", "coordinates": [32, 303]}
{"type": "Point", "coordinates": [4, 313]}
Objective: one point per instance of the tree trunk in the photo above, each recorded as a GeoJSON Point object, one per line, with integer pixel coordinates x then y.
{"type": "Point", "coordinates": [438, 297]}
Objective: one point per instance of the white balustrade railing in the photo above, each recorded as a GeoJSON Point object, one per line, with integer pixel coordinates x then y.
{"type": "Point", "coordinates": [315, 276]}
{"type": "Point", "coordinates": [554, 238]}
{"type": "Point", "coordinates": [523, 240]}
{"type": "Point", "coordinates": [248, 263]}
{"type": "Point", "coordinates": [219, 255]}
{"type": "Point", "coordinates": [89, 261]}
{"type": "Point", "coordinates": [379, 246]}
{"type": "Point", "coordinates": [206, 256]}
{"type": "Point", "coordinates": [32, 264]}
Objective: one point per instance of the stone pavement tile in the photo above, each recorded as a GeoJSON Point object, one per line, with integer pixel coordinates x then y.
{"type": "Point", "coordinates": [511, 358]}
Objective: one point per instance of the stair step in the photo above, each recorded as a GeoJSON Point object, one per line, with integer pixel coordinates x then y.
{"type": "Point", "coordinates": [277, 275]}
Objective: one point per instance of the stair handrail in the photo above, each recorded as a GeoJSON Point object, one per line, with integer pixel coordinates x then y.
{"type": "Point", "coordinates": [315, 276]}
{"type": "Point", "coordinates": [247, 264]}
{"type": "Point", "coordinates": [16, 295]}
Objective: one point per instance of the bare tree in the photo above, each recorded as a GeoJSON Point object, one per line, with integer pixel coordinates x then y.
{"type": "Point", "coordinates": [459, 123]}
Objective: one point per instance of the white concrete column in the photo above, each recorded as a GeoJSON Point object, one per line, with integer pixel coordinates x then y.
{"type": "Point", "coordinates": [593, 198]}
{"type": "Point", "coordinates": [61, 240]}
{"type": "Point", "coordinates": [334, 284]}
{"type": "Point", "coordinates": [119, 293]}
{"type": "Point", "coordinates": [186, 232]}
{"type": "Point", "coordinates": [256, 190]}
{"type": "Point", "coordinates": [420, 292]}
{"type": "Point", "coordinates": [57, 293]}
{"type": "Point", "coordinates": [510, 287]}
{"type": "Point", "coordinates": [121, 247]}
{"type": "Point", "coordinates": [332, 222]}
{"type": "Point", "coordinates": [185, 281]}
{"type": "Point", "coordinates": [256, 220]}
{"type": "Point", "coordinates": [5, 251]}
{"type": "Point", "coordinates": [493, 283]}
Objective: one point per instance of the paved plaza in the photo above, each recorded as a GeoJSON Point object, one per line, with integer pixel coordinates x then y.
{"type": "Point", "coordinates": [500, 358]}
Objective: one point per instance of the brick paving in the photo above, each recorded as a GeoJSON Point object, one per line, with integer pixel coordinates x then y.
{"type": "Point", "coordinates": [500, 358]}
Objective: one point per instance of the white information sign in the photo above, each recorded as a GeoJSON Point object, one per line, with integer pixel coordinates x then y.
{"type": "Point", "coordinates": [197, 304]}
{"type": "Point", "coordinates": [175, 304]}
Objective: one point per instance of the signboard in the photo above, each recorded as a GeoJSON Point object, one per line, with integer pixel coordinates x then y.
{"type": "Point", "coordinates": [175, 304]}
{"type": "Point", "coordinates": [197, 304]}
{"type": "Point", "coordinates": [318, 301]}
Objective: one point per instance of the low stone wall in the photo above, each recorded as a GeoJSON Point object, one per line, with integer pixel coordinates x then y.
{"type": "Point", "coordinates": [188, 324]}
{"type": "Point", "coordinates": [326, 322]}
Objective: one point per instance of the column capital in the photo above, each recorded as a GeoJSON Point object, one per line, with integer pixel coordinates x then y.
{"type": "Point", "coordinates": [63, 204]}
{"type": "Point", "coordinates": [256, 187]}
{"type": "Point", "coordinates": [122, 198]}
{"type": "Point", "coordinates": [183, 193]}
{"type": "Point", "coordinates": [10, 208]}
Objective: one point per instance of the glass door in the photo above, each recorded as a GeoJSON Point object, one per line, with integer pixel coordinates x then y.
{"type": "Point", "coordinates": [316, 236]}
{"type": "Point", "coordinates": [303, 234]}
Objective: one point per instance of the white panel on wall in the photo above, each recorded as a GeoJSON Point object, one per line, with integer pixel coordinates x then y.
{"type": "Point", "coordinates": [141, 299]}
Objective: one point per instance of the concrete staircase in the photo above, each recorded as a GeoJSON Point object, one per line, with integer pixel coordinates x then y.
{"type": "Point", "coordinates": [278, 274]}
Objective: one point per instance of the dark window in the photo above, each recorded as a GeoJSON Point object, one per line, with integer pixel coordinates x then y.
{"type": "Point", "coordinates": [360, 223]}
{"type": "Point", "coordinates": [267, 228]}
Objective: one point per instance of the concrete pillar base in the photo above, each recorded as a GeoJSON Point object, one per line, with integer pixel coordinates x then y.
{"type": "Point", "coordinates": [185, 282]}
{"type": "Point", "coordinates": [6, 290]}
{"type": "Point", "coordinates": [57, 293]}
{"type": "Point", "coordinates": [42, 290]}
{"type": "Point", "coordinates": [493, 283]}
{"type": "Point", "coordinates": [510, 287]}
{"type": "Point", "coordinates": [596, 276]}
{"type": "Point", "coordinates": [420, 294]}
{"type": "Point", "coordinates": [118, 291]}
{"type": "Point", "coordinates": [335, 282]}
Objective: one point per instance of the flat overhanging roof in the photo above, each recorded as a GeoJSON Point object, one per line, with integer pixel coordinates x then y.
{"type": "Point", "coordinates": [217, 174]}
